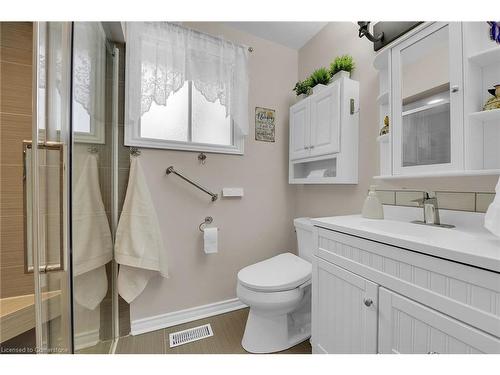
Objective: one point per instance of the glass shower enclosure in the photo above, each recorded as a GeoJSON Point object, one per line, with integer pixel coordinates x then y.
{"type": "Point", "coordinates": [68, 194]}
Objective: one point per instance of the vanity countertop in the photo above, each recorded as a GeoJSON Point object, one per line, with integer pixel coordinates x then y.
{"type": "Point", "coordinates": [467, 243]}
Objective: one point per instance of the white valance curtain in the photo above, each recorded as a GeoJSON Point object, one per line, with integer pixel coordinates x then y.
{"type": "Point", "coordinates": [162, 56]}
{"type": "Point", "coordinates": [89, 70]}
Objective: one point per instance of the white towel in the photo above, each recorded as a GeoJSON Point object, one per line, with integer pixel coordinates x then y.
{"type": "Point", "coordinates": [492, 217]}
{"type": "Point", "coordinates": [92, 244]}
{"type": "Point", "coordinates": [139, 246]}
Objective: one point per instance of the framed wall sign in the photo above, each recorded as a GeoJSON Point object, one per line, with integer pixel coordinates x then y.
{"type": "Point", "coordinates": [264, 124]}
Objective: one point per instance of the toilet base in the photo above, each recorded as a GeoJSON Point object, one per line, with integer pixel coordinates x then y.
{"type": "Point", "coordinates": [265, 334]}
{"type": "Point", "coordinates": [270, 333]}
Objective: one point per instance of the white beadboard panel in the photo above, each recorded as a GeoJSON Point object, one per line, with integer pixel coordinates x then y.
{"type": "Point", "coordinates": [467, 293]}
{"type": "Point", "coordinates": [407, 327]}
{"type": "Point", "coordinates": [342, 323]}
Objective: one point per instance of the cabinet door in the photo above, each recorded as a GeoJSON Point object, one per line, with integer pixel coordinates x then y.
{"type": "Point", "coordinates": [344, 312]}
{"type": "Point", "coordinates": [300, 130]}
{"type": "Point", "coordinates": [427, 101]}
{"type": "Point", "coordinates": [325, 121]}
{"type": "Point", "coordinates": [408, 327]}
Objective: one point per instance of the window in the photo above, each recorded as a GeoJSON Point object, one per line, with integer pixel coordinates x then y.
{"type": "Point", "coordinates": [184, 90]}
{"type": "Point", "coordinates": [188, 119]}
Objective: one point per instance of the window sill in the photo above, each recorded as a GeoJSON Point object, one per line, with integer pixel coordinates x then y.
{"type": "Point", "coordinates": [182, 146]}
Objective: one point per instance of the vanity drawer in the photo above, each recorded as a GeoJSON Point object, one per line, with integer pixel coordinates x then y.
{"type": "Point", "coordinates": [466, 293]}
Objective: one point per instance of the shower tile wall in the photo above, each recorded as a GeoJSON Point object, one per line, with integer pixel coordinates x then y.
{"type": "Point", "coordinates": [15, 126]}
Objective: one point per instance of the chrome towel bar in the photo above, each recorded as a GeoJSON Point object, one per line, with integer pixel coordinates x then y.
{"type": "Point", "coordinates": [172, 170]}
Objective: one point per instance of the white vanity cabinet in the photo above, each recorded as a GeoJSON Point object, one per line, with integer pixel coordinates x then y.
{"type": "Point", "coordinates": [408, 327]}
{"type": "Point", "coordinates": [345, 315]}
{"type": "Point", "coordinates": [371, 297]}
{"type": "Point", "coordinates": [324, 135]}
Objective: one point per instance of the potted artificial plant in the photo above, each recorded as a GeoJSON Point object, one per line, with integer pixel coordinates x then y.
{"type": "Point", "coordinates": [303, 88]}
{"type": "Point", "coordinates": [342, 66]}
{"type": "Point", "coordinates": [319, 79]}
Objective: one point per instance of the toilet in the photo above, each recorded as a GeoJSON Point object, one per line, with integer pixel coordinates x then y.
{"type": "Point", "coordinates": [278, 292]}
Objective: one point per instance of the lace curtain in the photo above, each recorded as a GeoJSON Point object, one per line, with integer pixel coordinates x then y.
{"type": "Point", "coordinates": [89, 70]}
{"type": "Point", "coordinates": [162, 56]}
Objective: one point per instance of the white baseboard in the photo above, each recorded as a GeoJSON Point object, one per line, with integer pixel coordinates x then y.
{"type": "Point", "coordinates": [86, 339]}
{"type": "Point", "coordinates": [174, 318]}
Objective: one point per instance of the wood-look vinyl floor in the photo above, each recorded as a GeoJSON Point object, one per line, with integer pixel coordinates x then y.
{"type": "Point", "coordinates": [228, 331]}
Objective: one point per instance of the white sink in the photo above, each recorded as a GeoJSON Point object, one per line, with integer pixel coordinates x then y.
{"type": "Point", "coordinates": [467, 243]}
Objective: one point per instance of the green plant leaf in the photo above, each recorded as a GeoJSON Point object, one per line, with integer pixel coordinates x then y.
{"type": "Point", "coordinates": [320, 76]}
{"type": "Point", "coordinates": [345, 63]}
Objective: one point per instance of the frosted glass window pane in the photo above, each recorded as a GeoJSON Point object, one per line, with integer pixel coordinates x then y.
{"type": "Point", "coordinates": [81, 118]}
{"type": "Point", "coordinates": [210, 124]}
{"type": "Point", "coordinates": [426, 136]}
{"type": "Point", "coordinates": [168, 122]}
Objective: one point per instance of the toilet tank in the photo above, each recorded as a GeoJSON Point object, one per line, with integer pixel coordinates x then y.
{"type": "Point", "coordinates": [304, 230]}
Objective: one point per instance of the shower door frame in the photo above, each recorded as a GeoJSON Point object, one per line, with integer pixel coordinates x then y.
{"type": "Point", "coordinates": [40, 269]}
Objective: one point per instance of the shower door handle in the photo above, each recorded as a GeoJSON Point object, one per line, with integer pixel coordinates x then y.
{"type": "Point", "coordinates": [27, 193]}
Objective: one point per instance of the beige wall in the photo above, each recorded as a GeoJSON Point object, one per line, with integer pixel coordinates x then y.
{"type": "Point", "coordinates": [342, 38]}
{"type": "Point", "coordinates": [250, 229]}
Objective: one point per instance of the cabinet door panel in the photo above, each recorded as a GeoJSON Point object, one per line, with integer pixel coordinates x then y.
{"type": "Point", "coordinates": [325, 121]}
{"type": "Point", "coordinates": [342, 322]}
{"type": "Point", "coordinates": [408, 327]}
{"type": "Point", "coordinates": [299, 130]}
{"type": "Point", "coordinates": [427, 94]}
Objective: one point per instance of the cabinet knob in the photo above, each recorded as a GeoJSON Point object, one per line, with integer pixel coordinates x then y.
{"type": "Point", "coordinates": [454, 88]}
{"type": "Point", "coordinates": [368, 302]}
{"type": "Point", "coordinates": [311, 147]}
{"type": "Point", "coordinates": [431, 352]}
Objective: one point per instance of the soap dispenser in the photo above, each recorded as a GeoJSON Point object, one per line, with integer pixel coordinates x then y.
{"type": "Point", "coordinates": [372, 208]}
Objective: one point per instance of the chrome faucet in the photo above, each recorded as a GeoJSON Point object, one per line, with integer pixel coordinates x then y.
{"type": "Point", "coordinates": [431, 210]}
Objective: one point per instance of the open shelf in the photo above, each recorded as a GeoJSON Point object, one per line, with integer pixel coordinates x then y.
{"type": "Point", "coordinates": [491, 115]}
{"type": "Point", "coordinates": [463, 173]}
{"type": "Point", "coordinates": [426, 107]}
{"type": "Point", "coordinates": [487, 57]}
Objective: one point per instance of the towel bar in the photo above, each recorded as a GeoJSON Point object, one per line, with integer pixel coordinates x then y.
{"type": "Point", "coordinates": [172, 170]}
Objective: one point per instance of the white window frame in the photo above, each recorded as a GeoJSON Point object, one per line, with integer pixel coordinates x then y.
{"type": "Point", "coordinates": [133, 138]}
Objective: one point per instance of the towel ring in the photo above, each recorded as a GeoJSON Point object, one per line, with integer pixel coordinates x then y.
{"type": "Point", "coordinates": [208, 220]}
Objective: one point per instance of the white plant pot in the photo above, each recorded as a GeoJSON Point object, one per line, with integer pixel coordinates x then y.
{"type": "Point", "coordinates": [318, 88]}
{"type": "Point", "coordinates": [341, 74]}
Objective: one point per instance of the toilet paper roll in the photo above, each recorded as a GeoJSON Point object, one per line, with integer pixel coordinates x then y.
{"type": "Point", "coordinates": [210, 240]}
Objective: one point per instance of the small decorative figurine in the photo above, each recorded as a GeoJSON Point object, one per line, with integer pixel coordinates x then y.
{"type": "Point", "coordinates": [494, 31]}
{"type": "Point", "coordinates": [385, 128]}
{"type": "Point", "coordinates": [493, 103]}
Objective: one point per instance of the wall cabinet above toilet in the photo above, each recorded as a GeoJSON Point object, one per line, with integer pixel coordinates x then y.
{"type": "Point", "coordinates": [324, 135]}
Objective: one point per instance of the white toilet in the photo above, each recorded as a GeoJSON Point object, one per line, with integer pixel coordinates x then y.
{"type": "Point", "coordinates": [278, 291]}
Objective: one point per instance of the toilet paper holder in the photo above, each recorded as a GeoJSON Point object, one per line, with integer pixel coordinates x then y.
{"type": "Point", "coordinates": [208, 220]}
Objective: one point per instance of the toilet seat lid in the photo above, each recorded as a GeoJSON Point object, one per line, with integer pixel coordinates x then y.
{"type": "Point", "coordinates": [281, 272]}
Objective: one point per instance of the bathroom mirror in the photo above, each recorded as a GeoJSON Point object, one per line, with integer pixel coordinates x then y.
{"type": "Point", "coordinates": [425, 85]}
{"type": "Point", "coordinates": [427, 101]}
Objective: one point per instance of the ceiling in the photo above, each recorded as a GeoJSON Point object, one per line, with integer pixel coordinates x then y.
{"type": "Point", "coordinates": [290, 34]}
